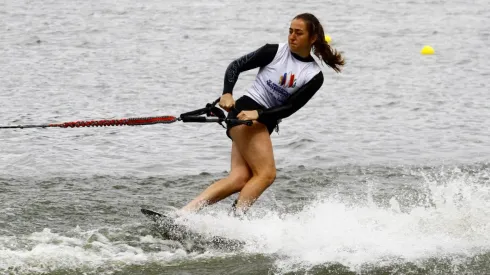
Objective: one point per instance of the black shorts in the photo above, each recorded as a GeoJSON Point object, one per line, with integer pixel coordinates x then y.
{"type": "Point", "coordinates": [245, 103]}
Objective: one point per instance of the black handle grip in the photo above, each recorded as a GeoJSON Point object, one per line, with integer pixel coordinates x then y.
{"type": "Point", "coordinates": [238, 121]}
{"type": "Point", "coordinates": [214, 119]}
{"type": "Point", "coordinates": [194, 119]}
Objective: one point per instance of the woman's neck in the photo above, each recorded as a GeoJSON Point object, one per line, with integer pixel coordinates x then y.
{"type": "Point", "coordinates": [303, 54]}
{"type": "Point", "coordinates": [305, 57]}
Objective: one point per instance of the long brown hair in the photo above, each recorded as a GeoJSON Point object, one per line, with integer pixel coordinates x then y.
{"type": "Point", "coordinates": [320, 47]}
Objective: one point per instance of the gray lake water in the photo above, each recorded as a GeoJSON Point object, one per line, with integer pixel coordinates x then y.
{"type": "Point", "coordinates": [385, 171]}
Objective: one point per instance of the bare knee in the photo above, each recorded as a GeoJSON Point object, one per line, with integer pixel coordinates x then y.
{"type": "Point", "coordinates": [239, 179]}
{"type": "Point", "coordinates": [271, 176]}
{"type": "Point", "coordinates": [267, 176]}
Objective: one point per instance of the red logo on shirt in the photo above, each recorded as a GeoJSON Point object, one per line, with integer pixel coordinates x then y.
{"type": "Point", "coordinates": [287, 80]}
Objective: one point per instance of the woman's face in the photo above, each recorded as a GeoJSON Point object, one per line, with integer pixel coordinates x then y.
{"type": "Point", "coordinates": [299, 39]}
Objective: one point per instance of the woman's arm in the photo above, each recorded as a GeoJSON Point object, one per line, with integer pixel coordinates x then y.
{"type": "Point", "coordinates": [295, 101]}
{"type": "Point", "coordinates": [259, 58]}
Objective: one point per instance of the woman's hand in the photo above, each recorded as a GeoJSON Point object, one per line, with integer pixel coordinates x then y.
{"type": "Point", "coordinates": [227, 102]}
{"type": "Point", "coordinates": [248, 115]}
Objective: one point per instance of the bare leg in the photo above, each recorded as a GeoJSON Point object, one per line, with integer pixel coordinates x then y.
{"type": "Point", "coordinates": [255, 145]}
{"type": "Point", "coordinates": [240, 173]}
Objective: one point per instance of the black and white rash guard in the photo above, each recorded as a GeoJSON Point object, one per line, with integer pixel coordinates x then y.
{"type": "Point", "coordinates": [285, 81]}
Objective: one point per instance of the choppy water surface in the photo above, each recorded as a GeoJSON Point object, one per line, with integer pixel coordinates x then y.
{"type": "Point", "coordinates": [385, 171]}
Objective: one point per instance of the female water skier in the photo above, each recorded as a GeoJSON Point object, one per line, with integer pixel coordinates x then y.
{"type": "Point", "coordinates": [287, 79]}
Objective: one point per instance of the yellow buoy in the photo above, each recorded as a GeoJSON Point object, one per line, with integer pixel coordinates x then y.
{"type": "Point", "coordinates": [328, 39]}
{"type": "Point", "coordinates": [427, 50]}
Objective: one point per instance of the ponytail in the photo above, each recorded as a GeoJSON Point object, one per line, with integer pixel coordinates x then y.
{"type": "Point", "coordinates": [320, 47]}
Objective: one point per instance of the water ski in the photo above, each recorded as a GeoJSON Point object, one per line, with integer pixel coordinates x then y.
{"type": "Point", "coordinates": [152, 214]}
{"type": "Point", "coordinates": [171, 230]}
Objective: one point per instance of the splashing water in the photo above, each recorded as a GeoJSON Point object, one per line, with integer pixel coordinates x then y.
{"type": "Point", "coordinates": [450, 217]}
{"type": "Point", "coordinates": [446, 218]}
